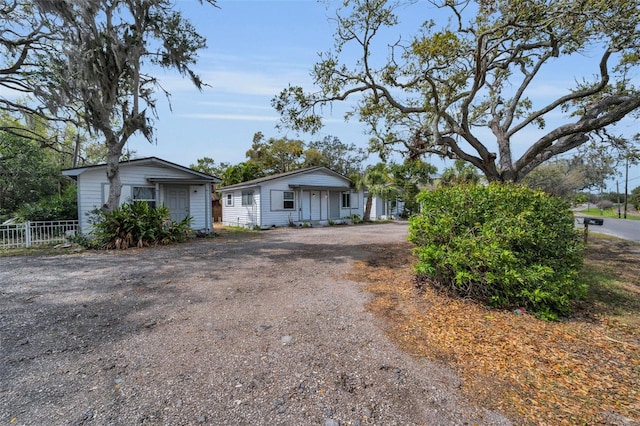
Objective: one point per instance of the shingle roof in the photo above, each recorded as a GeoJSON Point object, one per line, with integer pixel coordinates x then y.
{"type": "Point", "coordinates": [141, 161]}
{"type": "Point", "coordinates": [256, 182]}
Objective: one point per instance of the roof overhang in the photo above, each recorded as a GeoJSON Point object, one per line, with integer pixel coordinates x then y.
{"type": "Point", "coordinates": [320, 188]}
{"type": "Point", "coordinates": [237, 187]}
{"type": "Point", "coordinates": [149, 161]}
{"type": "Point", "coordinates": [179, 181]}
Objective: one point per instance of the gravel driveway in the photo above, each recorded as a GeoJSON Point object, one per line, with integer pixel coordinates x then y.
{"type": "Point", "coordinates": [257, 328]}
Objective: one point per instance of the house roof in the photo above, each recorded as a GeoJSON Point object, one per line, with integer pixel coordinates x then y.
{"type": "Point", "coordinates": [257, 182]}
{"type": "Point", "coordinates": [155, 161]}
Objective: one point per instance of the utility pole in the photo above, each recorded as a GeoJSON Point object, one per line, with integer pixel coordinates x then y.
{"type": "Point", "coordinates": [618, 192]}
{"type": "Point", "coordinates": [626, 187]}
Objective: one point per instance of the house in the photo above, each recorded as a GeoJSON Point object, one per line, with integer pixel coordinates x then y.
{"type": "Point", "coordinates": [315, 195]}
{"type": "Point", "coordinates": [184, 191]}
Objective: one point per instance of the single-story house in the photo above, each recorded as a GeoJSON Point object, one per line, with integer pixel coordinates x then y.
{"type": "Point", "coordinates": [314, 195]}
{"type": "Point", "coordinates": [184, 191]}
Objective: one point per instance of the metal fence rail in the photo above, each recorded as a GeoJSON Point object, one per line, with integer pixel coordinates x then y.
{"type": "Point", "coordinates": [28, 234]}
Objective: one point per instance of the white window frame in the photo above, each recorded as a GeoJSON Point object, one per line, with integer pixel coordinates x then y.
{"type": "Point", "coordinates": [151, 201]}
{"type": "Point", "coordinates": [247, 198]}
{"type": "Point", "coordinates": [346, 196]}
{"type": "Point", "coordinates": [291, 200]}
{"type": "Point", "coordinates": [228, 200]}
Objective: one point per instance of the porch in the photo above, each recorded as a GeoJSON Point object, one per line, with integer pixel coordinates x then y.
{"type": "Point", "coordinates": [320, 205]}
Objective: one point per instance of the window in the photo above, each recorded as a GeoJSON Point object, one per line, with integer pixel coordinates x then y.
{"type": "Point", "coordinates": [346, 200]}
{"type": "Point", "coordinates": [247, 198]}
{"type": "Point", "coordinates": [229, 200]}
{"type": "Point", "coordinates": [288, 200]}
{"type": "Point", "coordinates": [145, 193]}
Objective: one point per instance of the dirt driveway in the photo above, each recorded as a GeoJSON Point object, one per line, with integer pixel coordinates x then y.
{"type": "Point", "coordinates": [258, 328]}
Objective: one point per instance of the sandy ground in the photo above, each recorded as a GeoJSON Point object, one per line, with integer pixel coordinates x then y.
{"type": "Point", "coordinates": [249, 329]}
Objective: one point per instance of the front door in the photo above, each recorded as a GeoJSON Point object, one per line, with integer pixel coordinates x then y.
{"type": "Point", "coordinates": [315, 205]}
{"type": "Point", "coordinates": [178, 202]}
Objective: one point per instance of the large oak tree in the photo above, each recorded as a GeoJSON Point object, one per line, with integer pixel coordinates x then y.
{"type": "Point", "coordinates": [473, 72]}
{"type": "Point", "coordinates": [24, 39]}
{"type": "Point", "coordinates": [99, 63]}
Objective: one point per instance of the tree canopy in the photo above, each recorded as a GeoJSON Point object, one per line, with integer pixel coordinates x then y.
{"type": "Point", "coordinates": [331, 152]}
{"type": "Point", "coordinates": [275, 155]}
{"type": "Point", "coordinates": [464, 85]}
{"type": "Point", "coordinates": [27, 173]}
{"type": "Point", "coordinates": [459, 173]}
{"type": "Point", "coordinates": [97, 64]}
{"type": "Point", "coordinates": [280, 155]}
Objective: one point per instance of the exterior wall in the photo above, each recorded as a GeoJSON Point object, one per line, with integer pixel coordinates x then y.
{"type": "Point", "coordinates": [200, 206]}
{"type": "Point", "coordinates": [93, 191]}
{"type": "Point", "coordinates": [318, 178]}
{"type": "Point", "coordinates": [90, 197]}
{"type": "Point", "coordinates": [357, 205]}
{"type": "Point", "coordinates": [273, 214]}
{"type": "Point", "coordinates": [239, 215]}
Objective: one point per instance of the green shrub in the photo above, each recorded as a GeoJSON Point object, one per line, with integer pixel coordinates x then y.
{"type": "Point", "coordinates": [55, 207]}
{"type": "Point", "coordinates": [137, 225]}
{"type": "Point", "coordinates": [505, 245]}
{"type": "Point", "coordinates": [355, 219]}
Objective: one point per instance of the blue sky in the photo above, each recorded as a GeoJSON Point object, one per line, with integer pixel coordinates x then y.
{"type": "Point", "coordinates": [255, 49]}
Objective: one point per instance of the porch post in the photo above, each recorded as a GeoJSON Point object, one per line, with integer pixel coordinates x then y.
{"type": "Point", "coordinates": [159, 197]}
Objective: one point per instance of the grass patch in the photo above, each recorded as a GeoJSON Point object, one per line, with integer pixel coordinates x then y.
{"type": "Point", "coordinates": [583, 370]}
{"type": "Point", "coordinates": [40, 250]}
{"type": "Point", "coordinates": [608, 213]}
{"type": "Point", "coordinates": [235, 230]}
{"type": "Point", "coordinates": [612, 272]}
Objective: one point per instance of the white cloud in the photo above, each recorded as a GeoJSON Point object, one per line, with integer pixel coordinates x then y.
{"type": "Point", "coordinates": [235, 105]}
{"type": "Point", "coordinates": [235, 117]}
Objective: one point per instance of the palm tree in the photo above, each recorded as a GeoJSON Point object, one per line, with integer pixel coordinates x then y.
{"type": "Point", "coordinates": [378, 181]}
{"type": "Point", "coordinates": [461, 172]}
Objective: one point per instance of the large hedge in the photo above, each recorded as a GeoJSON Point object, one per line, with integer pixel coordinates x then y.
{"type": "Point", "coordinates": [502, 244]}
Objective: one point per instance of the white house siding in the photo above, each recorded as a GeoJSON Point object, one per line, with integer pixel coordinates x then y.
{"type": "Point", "coordinates": [90, 197]}
{"type": "Point", "coordinates": [94, 191]}
{"type": "Point", "coordinates": [199, 208]}
{"type": "Point", "coordinates": [277, 215]}
{"type": "Point", "coordinates": [315, 179]}
{"type": "Point", "coordinates": [239, 215]}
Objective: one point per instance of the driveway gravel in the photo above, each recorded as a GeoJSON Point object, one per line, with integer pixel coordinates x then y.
{"type": "Point", "coordinates": [248, 329]}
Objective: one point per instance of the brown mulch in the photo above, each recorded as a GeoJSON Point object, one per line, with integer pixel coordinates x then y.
{"type": "Point", "coordinates": [584, 370]}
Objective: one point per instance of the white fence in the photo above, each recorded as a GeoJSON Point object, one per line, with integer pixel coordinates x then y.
{"type": "Point", "coordinates": [29, 234]}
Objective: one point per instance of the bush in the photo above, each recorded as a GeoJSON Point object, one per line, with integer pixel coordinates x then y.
{"type": "Point", "coordinates": [56, 207]}
{"type": "Point", "coordinates": [355, 219]}
{"type": "Point", "coordinates": [137, 225]}
{"type": "Point", "coordinates": [605, 204]}
{"type": "Point", "coordinates": [634, 198]}
{"type": "Point", "coordinates": [505, 245]}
